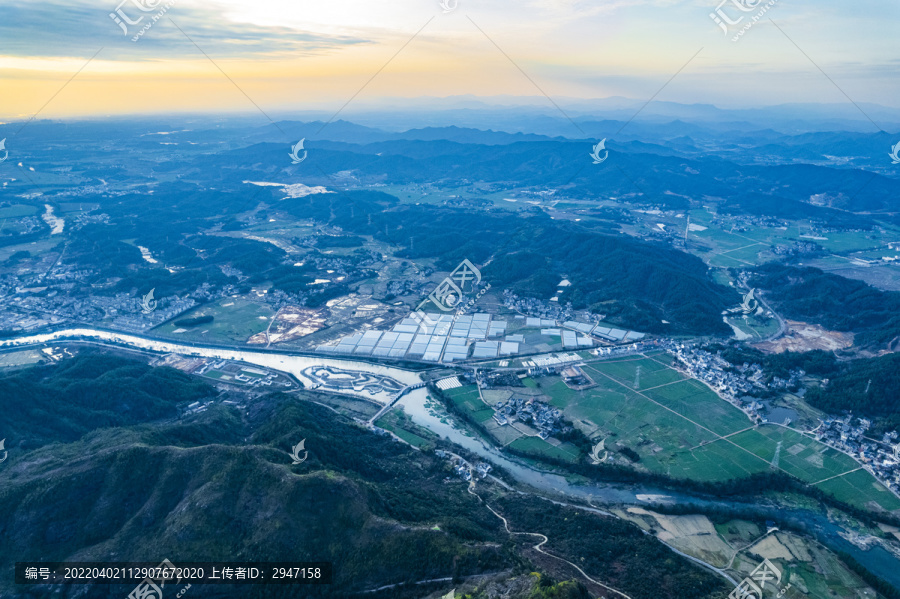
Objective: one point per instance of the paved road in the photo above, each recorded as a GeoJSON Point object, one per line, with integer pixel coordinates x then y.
{"type": "Point", "coordinates": [782, 325]}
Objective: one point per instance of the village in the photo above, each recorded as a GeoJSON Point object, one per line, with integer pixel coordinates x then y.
{"type": "Point", "coordinates": [536, 414]}
{"type": "Point", "coordinates": [881, 458]}
{"type": "Point", "coordinates": [462, 468]}
{"type": "Point", "coordinates": [732, 383]}
{"type": "Point", "coordinates": [845, 434]}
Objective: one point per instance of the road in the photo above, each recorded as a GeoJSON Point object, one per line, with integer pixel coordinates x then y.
{"type": "Point", "coordinates": [539, 546]}
{"type": "Point", "coordinates": [295, 363]}
{"type": "Point", "coordinates": [390, 404]}
{"type": "Point", "coordinates": [782, 325]}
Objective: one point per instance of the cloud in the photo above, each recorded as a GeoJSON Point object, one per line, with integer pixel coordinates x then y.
{"type": "Point", "coordinates": [52, 28]}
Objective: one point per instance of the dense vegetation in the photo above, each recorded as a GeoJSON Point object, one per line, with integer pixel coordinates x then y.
{"type": "Point", "coordinates": [610, 550]}
{"type": "Point", "coordinates": [810, 295]}
{"type": "Point", "coordinates": [190, 229]}
{"type": "Point", "coordinates": [197, 491]}
{"type": "Point", "coordinates": [882, 587]}
{"type": "Point", "coordinates": [173, 225]}
{"type": "Point", "coordinates": [634, 282]}
{"type": "Point", "coordinates": [193, 322]}
{"type": "Point", "coordinates": [220, 486]}
{"type": "Point", "coordinates": [631, 454]}
{"type": "Point", "coordinates": [61, 403]}
{"type": "Point", "coordinates": [202, 204]}
{"type": "Point", "coordinates": [534, 586]}
{"type": "Point", "coordinates": [866, 387]}
{"type": "Point", "coordinates": [817, 362]}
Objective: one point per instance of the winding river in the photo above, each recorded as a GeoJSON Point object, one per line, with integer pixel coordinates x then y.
{"type": "Point", "coordinates": [877, 560]}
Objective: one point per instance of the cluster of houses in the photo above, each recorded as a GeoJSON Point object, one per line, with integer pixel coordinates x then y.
{"type": "Point", "coordinates": [799, 248]}
{"type": "Point", "coordinates": [848, 434]}
{"type": "Point", "coordinates": [742, 223]}
{"type": "Point", "coordinates": [729, 380]}
{"type": "Point", "coordinates": [467, 472]}
{"type": "Point", "coordinates": [536, 414]}
{"type": "Point", "coordinates": [538, 308]}
{"type": "Point", "coordinates": [46, 293]}
{"type": "Point", "coordinates": [717, 372]}
{"type": "Point", "coordinates": [732, 383]}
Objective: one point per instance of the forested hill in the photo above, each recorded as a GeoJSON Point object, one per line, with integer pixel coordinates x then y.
{"type": "Point", "coordinates": [868, 387]}
{"type": "Point", "coordinates": [811, 295]}
{"type": "Point", "coordinates": [62, 402]}
{"type": "Point", "coordinates": [220, 485]}
{"type": "Point", "coordinates": [635, 282]}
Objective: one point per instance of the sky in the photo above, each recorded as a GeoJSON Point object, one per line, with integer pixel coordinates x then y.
{"type": "Point", "coordinates": [70, 58]}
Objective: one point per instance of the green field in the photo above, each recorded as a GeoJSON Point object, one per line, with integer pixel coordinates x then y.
{"type": "Point", "coordinates": [17, 211]}
{"type": "Point", "coordinates": [411, 438]}
{"type": "Point", "coordinates": [397, 422]}
{"type": "Point", "coordinates": [861, 489]}
{"type": "Point", "coordinates": [722, 248]}
{"type": "Point", "coordinates": [755, 327]}
{"type": "Point", "coordinates": [467, 399]}
{"type": "Point", "coordinates": [742, 255]}
{"type": "Point", "coordinates": [652, 373]}
{"type": "Point", "coordinates": [35, 248]}
{"type": "Point", "coordinates": [698, 403]}
{"type": "Point", "coordinates": [232, 323]}
{"type": "Point", "coordinates": [538, 447]}
{"type": "Point", "coordinates": [16, 359]}
{"type": "Point", "coordinates": [800, 456]}
{"type": "Point", "coordinates": [681, 428]}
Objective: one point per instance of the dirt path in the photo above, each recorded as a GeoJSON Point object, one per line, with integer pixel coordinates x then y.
{"type": "Point", "coordinates": [544, 540]}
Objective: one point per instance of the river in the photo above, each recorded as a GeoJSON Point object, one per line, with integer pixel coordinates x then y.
{"type": "Point", "coordinates": [285, 362]}
{"type": "Point", "coordinates": [877, 560]}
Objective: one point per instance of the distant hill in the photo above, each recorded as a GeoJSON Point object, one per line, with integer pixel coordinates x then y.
{"type": "Point", "coordinates": [637, 283]}
{"type": "Point", "coordinates": [811, 295]}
